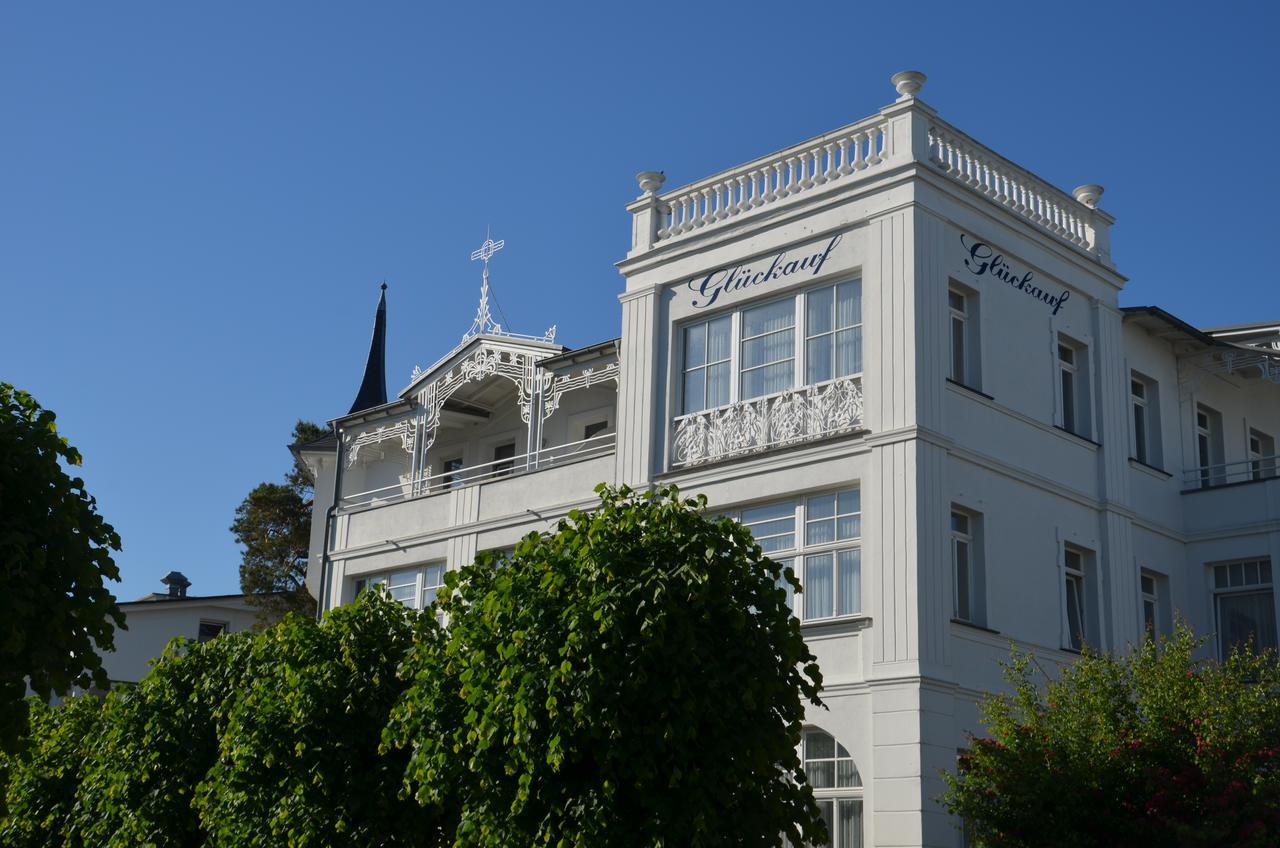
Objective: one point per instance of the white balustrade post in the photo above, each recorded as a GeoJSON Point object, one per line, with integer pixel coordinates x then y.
{"type": "Point", "coordinates": [646, 211]}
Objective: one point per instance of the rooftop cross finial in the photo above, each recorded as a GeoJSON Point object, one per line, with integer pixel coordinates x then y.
{"type": "Point", "coordinates": [484, 321]}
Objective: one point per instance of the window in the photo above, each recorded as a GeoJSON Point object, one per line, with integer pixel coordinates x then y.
{"type": "Point", "coordinates": [963, 305]}
{"type": "Point", "coordinates": [1208, 444]}
{"type": "Point", "coordinates": [416, 588]}
{"type": "Point", "coordinates": [837, 786]}
{"type": "Point", "coordinates": [967, 585]}
{"type": "Point", "coordinates": [1244, 605]}
{"type": "Point", "coordinates": [1073, 387]}
{"type": "Point", "coordinates": [1262, 455]}
{"type": "Point", "coordinates": [594, 429]}
{"type": "Point", "coordinates": [707, 349]}
{"type": "Point", "coordinates": [451, 467]}
{"type": "Point", "coordinates": [757, 351]}
{"type": "Point", "coordinates": [1077, 598]}
{"type": "Point", "coordinates": [1155, 602]}
{"type": "Point", "coordinates": [503, 452]}
{"type": "Point", "coordinates": [1144, 403]}
{"type": "Point", "coordinates": [827, 556]}
{"type": "Point", "coordinates": [833, 332]}
{"type": "Point", "coordinates": [211, 630]}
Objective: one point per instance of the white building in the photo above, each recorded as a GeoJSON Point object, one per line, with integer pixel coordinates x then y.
{"type": "Point", "coordinates": [900, 358]}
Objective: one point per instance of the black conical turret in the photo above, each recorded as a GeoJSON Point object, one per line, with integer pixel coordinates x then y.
{"type": "Point", "coordinates": [373, 388]}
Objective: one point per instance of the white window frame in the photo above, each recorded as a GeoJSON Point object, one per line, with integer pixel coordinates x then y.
{"type": "Point", "coordinates": [1236, 578]}
{"type": "Point", "coordinates": [1149, 588]}
{"type": "Point", "coordinates": [959, 335]}
{"type": "Point", "coordinates": [1140, 418]}
{"type": "Point", "coordinates": [836, 795]}
{"type": "Point", "coordinates": [1075, 411]}
{"type": "Point", "coordinates": [798, 554]}
{"type": "Point", "coordinates": [963, 547]}
{"type": "Point", "coordinates": [800, 337]}
{"type": "Point", "coordinates": [1261, 449]}
{"type": "Point", "coordinates": [224, 627]}
{"type": "Point", "coordinates": [1076, 578]}
{"type": "Point", "coordinates": [417, 583]}
{"type": "Point", "coordinates": [1208, 430]}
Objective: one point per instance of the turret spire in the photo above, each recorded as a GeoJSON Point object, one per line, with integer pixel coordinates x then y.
{"type": "Point", "coordinates": [373, 388]}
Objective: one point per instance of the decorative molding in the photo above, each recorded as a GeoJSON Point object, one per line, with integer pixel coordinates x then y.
{"type": "Point", "coordinates": [786, 418]}
{"type": "Point", "coordinates": [482, 363]}
{"type": "Point", "coordinates": [557, 386]}
{"type": "Point", "coordinates": [406, 431]}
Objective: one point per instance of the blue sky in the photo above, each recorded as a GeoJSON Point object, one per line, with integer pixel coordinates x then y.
{"type": "Point", "coordinates": [198, 201]}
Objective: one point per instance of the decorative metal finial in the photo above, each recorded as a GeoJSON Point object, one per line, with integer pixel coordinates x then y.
{"type": "Point", "coordinates": [484, 323]}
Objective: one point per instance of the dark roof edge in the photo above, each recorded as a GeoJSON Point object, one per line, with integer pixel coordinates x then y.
{"type": "Point", "coordinates": [597, 349]}
{"type": "Point", "coordinates": [1176, 322]}
{"type": "Point", "coordinates": [160, 598]}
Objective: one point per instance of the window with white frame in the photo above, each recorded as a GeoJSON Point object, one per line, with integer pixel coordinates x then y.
{"type": "Point", "coordinates": [756, 350]}
{"type": "Point", "coordinates": [1155, 590]}
{"type": "Point", "coordinates": [415, 588]}
{"type": "Point", "coordinates": [1209, 444]}
{"type": "Point", "coordinates": [967, 584]}
{"type": "Point", "coordinates": [963, 311]}
{"type": "Point", "coordinates": [1244, 605]}
{"type": "Point", "coordinates": [1144, 405]}
{"type": "Point", "coordinates": [1073, 386]}
{"type": "Point", "coordinates": [837, 786]}
{"type": "Point", "coordinates": [820, 538]}
{"type": "Point", "coordinates": [1077, 597]}
{"type": "Point", "coordinates": [1262, 455]}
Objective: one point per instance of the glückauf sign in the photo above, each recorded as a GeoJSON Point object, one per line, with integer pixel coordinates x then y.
{"type": "Point", "coordinates": [707, 290]}
{"type": "Point", "coordinates": [984, 260]}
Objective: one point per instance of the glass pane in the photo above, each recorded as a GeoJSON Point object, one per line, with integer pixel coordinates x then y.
{"type": "Point", "coordinates": [817, 360]}
{"type": "Point", "coordinates": [1237, 574]}
{"type": "Point", "coordinates": [1075, 620]}
{"type": "Point", "coordinates": [1220, 577]}
{"type": "Point", "coordinates": [818, 311]}
{"type": "Point", "coordinates": [784, 585]}
{"type": "Point", "coordinates": [956, 300]}
{"type": "Point", "coordinates": [957, 350]}
{"type": "Point", "coordinates": [1264, 571]}
{"type": "Point", "coordinates": [850, 582]}
{"type": "Point", "coordinates": [848, 352]}
{"type": "Point", "coordinates": [1245, 616]}
{"type": "Point", "coordinates": [961, 554]}
{"type": "Point", "coordinates": [405, 594]}
{"type": "Point", "coordinates": [772, 347]}
{"type": "Point", "coordinates": [719, 332]}
{"type": "Point", "coordinates": [821, 774]}
{"type": "Point", "coordinates": [717, 385]}
{"type": "Point", "coordinates": [1068, 401]}
{"type": "Point", "coordinates": [768, 318]}
{"type": "Point", "coordinates": [819, 532]}
{"type": "Point", "coordinates": [694, 390]}
{"type": "Point", "coordinates": [846, 775]}
{"type": "Point", "coordinates": [849, 829]}
{"type": "Point", "coordinates": [695, 346]}
{"type": "Point", "coordinates": [825, 808]}
{"type": "Point", "coordinates": [821, 506]}
{"type": "Point", "coordinates": [1148, 584]}
{"type": "Point", "coordinates": [433, 575]}
{"type": "Point", "coordinates": [959, 522]}
{"type": "Point", "coordinates": [819, 589]}
{"type": "Point", "coordinates": [849, 527]}
{"type": "Point", "coordinates": [766, 380]}
{"type": "Point", "coordinates": [819, 745]}
{"type": "Point", "coordinates": [849, 303]}
{"type": "Point", "coordinates": [1251, 574]}
{"type": "Point", "coordinates": [850, 500]}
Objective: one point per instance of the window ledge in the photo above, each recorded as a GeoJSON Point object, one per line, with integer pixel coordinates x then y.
{"type": "Point", "coordinates": [1154, 471]}
{"type": "Point", "coordinates": [1085, 439]}
{"type": "Point", "coordinates": [969, 389]}
{"type": "Point", "coordinates": [964, 623]}
{"type": "Point", "coordinates": [836, 626]}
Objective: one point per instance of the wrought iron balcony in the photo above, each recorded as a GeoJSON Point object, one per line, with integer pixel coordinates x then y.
{"type": "Point", "coordinates": [1229, 473]}
{"type": "Point", "coordinates": [760, 424]}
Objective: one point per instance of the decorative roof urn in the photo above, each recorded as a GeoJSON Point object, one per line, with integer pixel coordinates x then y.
{"type": "Point", "coordinates": [651, 181]}
{"type": "Point", "coordinates": [908, 83]}
{"type": "Point", "coordinates": [1088, 194]}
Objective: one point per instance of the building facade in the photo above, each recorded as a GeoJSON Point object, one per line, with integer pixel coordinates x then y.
{"type": "Point", "coordinates": [901, 360]}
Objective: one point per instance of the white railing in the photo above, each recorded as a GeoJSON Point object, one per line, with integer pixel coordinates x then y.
{"type": "Point", "coordinates": [471, 475]}
{"type": "Point", "coordinates": [1224, 473]}
{"type": "Point", "coordinates": [831, 158]}
{"type": "Point", "coordinates": [759, 424]}
{"type": "Point", "coordinates": [968, 162]}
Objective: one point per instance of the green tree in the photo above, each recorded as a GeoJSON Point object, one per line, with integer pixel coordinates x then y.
{"type": "Point", "coordinates": [55, 558]}
{"type": "Point", "coordinates": [1150, 748]}
{"type": "Point", "coordinates": [43, 777]}
{"type": "Point", "coordinates": [635, 678]}
{"type": "Point", "coordinates": [298, 760]}
{"type": "Point", "coordinates": [273, 523]}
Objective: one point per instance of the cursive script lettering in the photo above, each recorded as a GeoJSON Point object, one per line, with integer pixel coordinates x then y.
{"type": "Point", "coordinates": [984, 260]}
{"type": "Point", "coordinates": [723, 280]}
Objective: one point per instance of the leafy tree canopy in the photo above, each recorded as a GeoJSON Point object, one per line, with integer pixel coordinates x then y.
{"type": "Point", "coordinates": [1151, 748]}
{"type": "Point", "coordinates": [635, 678]}
{"type": "Point", "coordinates": [273, 523]}
{"type": "Point", "coordinates": [55, 558]}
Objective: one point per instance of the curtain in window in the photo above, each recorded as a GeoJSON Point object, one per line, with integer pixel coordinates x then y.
{"type": "Point", "coordinates": [850, 582]}
{"type": "Point", "coordinates": [768, 348]}
{"type": "Point", "coordinates": [1244, 615]}
{"type": "Point", "coordinates": [819, 586]}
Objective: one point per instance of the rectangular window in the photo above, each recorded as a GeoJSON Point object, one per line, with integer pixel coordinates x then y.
{"type": "Point", "coordinates": [211, 630]}
{"type": "Point", "coordinates": [707, 348]}
{"type": "Point", "coordinates": [503, 452]}
{"type": "Point", "coordinates": [594, 429]}
{"type": "Point", "coordinates": [759, 350]}
{"type": "Point", "coordinates": [961, 567]}
{"type": "Point", "coordinates": [1262, 455]}
{"type": "Point", "coordinates": [1155, 602]}
{"type": "Point", "coordinates": [768, 349]}
{"type": "Point", "coordinates": [1069, 388]}
{"type": "Point", "coordinates": [963, 316]}
{"type": "Point", "coordinates": [833, 332]}
{"type": "Point", "coordinates": [1076, 597]}
{"type": "Point", "coordinates": [415, 588]}
{"type": "Point", "coordinates": [1141, 420]}
{"type": "Point", "coordinates": [451, 468]}
{"type": "Point", "coordinates": [827, 555]}
{"type": "Point", "coordinates": [1209, 445]}
{"type": "Point", "coordinates": [1244, 605]}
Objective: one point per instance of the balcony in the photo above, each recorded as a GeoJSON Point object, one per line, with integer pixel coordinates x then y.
{"type": "Point", "coordinates": [437, 482]}
{"type": "Point", "coordinates": [1230, 473]}
{"type": "Point", "coordinates": [753, 426]}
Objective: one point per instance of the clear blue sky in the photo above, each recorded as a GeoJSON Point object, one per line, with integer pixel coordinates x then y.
{"type": "Point", "coordinates": [198, 201]}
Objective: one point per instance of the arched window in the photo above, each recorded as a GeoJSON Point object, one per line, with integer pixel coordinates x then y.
{"type": "Point", "coordinates": [837, 786]}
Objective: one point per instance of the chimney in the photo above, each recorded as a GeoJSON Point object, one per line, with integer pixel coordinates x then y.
{"type": "Point", "coordinates": [177, 583]}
